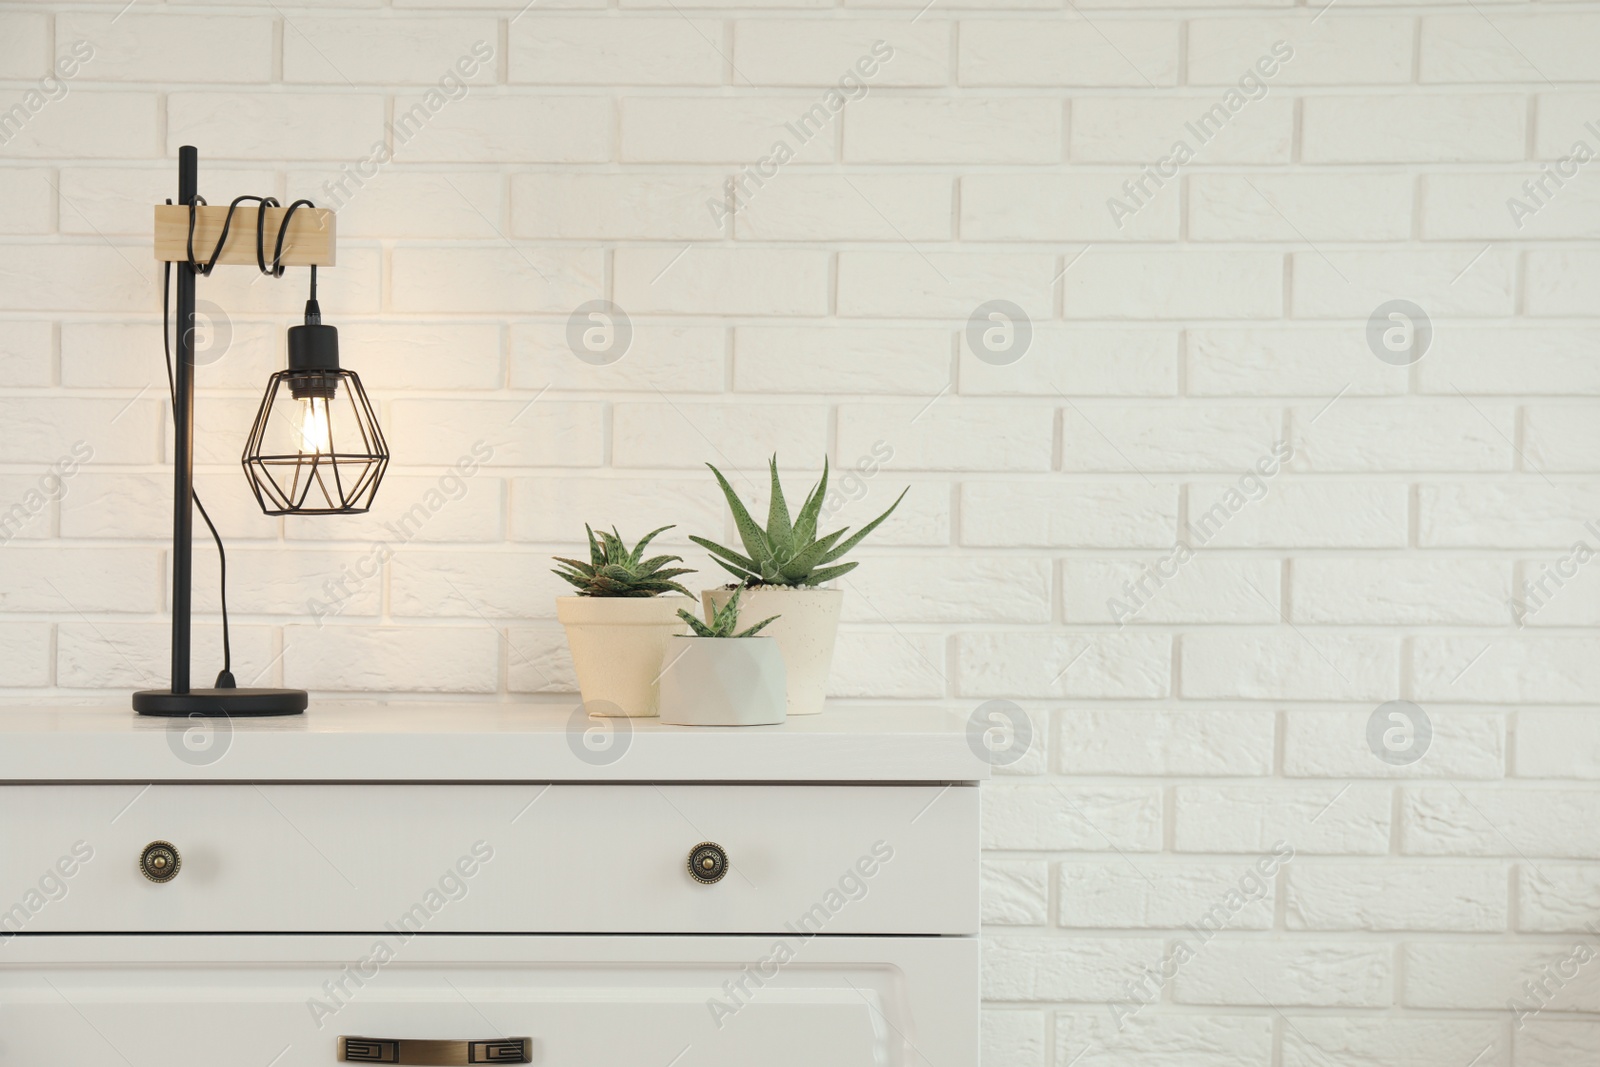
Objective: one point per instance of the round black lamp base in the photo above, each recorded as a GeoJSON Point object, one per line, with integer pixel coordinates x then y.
{"type": "Point", "coordinates": [234, 703]}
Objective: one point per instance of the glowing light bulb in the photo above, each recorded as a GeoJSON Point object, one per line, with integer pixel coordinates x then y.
{"type": "Point", "coordinates": [315, 436]}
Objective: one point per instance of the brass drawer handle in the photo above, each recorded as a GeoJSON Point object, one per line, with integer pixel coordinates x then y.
{"type": "Point", "coordinates": [160, 861]}
{"type": "Point", "coordinates": [708, 862]}
{"type": "Point", "coordinates": [435, 1053]}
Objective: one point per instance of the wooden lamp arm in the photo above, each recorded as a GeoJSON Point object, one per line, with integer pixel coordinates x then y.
{"type": "Point", "coordinates": [309, 242]}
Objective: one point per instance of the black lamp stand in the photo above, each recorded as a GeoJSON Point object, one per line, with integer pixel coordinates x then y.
{"type": "Point", "coordinates": [181, 700]}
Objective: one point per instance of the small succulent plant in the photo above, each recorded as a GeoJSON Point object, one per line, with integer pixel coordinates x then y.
{"type": "Point", "coordinates": [724, 620]}
{"type": "Point", "coordinates": [787, 552]}
{"type": "Point", "coordinates": [613, 570]}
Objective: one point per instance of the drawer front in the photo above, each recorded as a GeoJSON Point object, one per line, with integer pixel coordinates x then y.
{"type": "Point", "coordinates": [490, 859]}
{"type": "Point", "coordinates": [579, 1002]}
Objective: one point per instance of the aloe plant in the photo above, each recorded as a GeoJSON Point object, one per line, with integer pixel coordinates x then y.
{"type": "Point", "coordinates": [724, 621]}
{"type": "Point", "coordinates": [614, 570]}
{"type": "Point", "coordinates": [787, 552]}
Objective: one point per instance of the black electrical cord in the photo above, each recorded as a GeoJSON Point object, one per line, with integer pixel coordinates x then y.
{"type": "Point", "coordinates": [283, 229]}
{"type": "Point", "coordinates": [225, 679]}
{"type": "Point", "coordinates": [262, 203]}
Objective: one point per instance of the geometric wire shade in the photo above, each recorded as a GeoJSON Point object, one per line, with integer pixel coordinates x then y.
{"type": "Point", "coordinates": [315, 448]}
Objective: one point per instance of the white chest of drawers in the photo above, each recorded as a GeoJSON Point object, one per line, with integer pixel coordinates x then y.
{"type": "Point", "coordinates": [487, 883]}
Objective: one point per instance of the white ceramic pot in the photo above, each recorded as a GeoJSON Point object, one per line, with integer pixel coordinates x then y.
{"type": "Point", "coordinates": [618, 645]}
{"type": "Point", "coordinates": [723, 681]}
{"type": "Point", "coordinates": [806, 629]}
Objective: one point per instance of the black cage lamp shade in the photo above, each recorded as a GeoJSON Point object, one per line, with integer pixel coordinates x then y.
{"type": "Point", "coordinates": [316, 447]}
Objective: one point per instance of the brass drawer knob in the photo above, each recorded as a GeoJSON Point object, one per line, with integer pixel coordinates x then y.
{"type": "Point", "coordinates": [707, 863]}
{"type": "Point", "coordinates": [160, 861]}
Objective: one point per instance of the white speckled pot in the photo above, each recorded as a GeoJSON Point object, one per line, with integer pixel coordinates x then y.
{"type": "Point", "coordinates": [723, 681]}
{"type": "Point", "coordinates": [618, 645]}
{"type": "Point", "coordinates": [806, 629]}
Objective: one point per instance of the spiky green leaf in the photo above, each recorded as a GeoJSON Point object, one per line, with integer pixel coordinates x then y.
{"type": "Point", "coordinates": [698, 626]}
{"type": "Point", "coordinates": [808, 560]}
{"type": "Point", "coordinates": [805, 525]}
{"type": "Point", "coordinates": [745, 576]}
{"type": "Point", "coordinates": [669, 574]}
{"type": "Point", "coordinates": [778, 531]}
{"type": "Point", "coordinates": [757, 628]}
{"type": "Point", "coordinates": [755, 541]}
{"type": "Point", "coordinates": [638, 549]}
{"type": "Point", "coordinates": [828, 574]}
{"type": "Point", "coordinates": [726, 553]}
{"type": "Point", "coordinates": [653, 564]}
{"type": "Point", "coordinates": [852, 542]}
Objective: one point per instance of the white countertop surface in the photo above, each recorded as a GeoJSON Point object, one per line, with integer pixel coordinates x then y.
{"type": "Point", "coordinates": [531, 741]}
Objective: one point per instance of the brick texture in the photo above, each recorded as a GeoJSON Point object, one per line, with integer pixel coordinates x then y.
{"type": "Point", "coordinates": [1108, 283]}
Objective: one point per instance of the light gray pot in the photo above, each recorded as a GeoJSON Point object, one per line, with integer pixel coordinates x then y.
{"type": "Point", "coordinates": [723, 681]}
{"type": "Point", "coordinates": [806, 628]}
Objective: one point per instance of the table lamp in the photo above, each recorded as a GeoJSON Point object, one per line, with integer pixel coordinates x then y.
{"type": "Point", "coordinates": [315, 447]}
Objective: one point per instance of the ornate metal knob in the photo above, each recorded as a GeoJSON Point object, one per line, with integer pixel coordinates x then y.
{"type": "Point", "coordinates": [160, 861]}
{"type": "Point", "coordinates": [707, 862]}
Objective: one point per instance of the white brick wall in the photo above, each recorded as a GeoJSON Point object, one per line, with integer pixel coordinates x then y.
{"type": "Point", "coordinates": [576, 150]}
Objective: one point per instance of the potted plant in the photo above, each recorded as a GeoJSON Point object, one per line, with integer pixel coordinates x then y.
{"type": "Point", "coordinates": [719, 675]}
{"type": "Point", "coordinates": [618, 623]}
{"type": "Point", "coordinates": [781, 572]}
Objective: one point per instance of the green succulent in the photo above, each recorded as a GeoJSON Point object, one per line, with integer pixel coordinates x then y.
{"type": "Point", "coordinates": [613, 570]}
{"type": "Point", "coordinates": [724, 620]}
{"type": "Point", "coordinates": [787, 552]}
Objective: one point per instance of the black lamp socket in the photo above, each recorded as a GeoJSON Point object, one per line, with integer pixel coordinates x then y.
{"type": "Point", "coordinates": [313, 356]}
